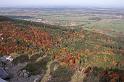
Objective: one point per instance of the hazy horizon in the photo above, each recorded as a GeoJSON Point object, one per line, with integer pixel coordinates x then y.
{"type": "Point", "coordinates": [63, 3]}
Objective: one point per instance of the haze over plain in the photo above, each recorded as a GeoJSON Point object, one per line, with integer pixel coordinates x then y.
{"type": "Point", "coordinates": [61, 3]}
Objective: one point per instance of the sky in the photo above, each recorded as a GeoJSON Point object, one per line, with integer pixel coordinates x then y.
{"type": "Point", "coordinates": [68, 3]}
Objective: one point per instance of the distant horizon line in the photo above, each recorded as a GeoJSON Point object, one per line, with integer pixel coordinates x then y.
{"type": "Point", "coordinates": [62, 7]}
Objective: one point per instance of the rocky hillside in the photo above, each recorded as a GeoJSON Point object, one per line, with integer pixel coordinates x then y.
{"type": "Point", "coordinates": [48, 53]}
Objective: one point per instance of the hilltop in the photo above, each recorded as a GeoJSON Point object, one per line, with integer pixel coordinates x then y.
{"type": "Point", "coordinates": [60, 54]}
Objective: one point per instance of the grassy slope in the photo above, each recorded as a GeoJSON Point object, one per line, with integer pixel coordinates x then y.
{"type": "Point", "coordinates": [79, 47]}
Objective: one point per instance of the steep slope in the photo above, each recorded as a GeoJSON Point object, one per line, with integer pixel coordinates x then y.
{"type": "Point", "coordinates": [14, 38]}
{"type": "Point", "coordinates": [75, 50]}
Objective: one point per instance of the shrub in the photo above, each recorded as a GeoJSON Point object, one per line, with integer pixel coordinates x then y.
{"type": "Point", "coordinates": [21, 59]}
